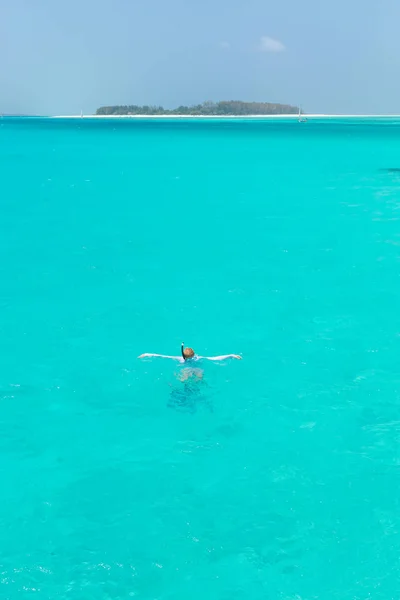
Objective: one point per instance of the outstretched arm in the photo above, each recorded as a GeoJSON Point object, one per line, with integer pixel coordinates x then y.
{"type": "Point", "coordinates": [222, 357]}
{"type": "Point", "coordinates": [147, 355]}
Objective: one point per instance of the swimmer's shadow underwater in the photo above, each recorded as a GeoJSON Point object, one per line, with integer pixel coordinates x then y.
{"type": "Point", "coordinates": [191, 393]}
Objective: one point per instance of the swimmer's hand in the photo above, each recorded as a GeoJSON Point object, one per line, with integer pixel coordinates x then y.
{"type": "Point", "coordinates": [237, 356]}
{"type": "Point", "coordinates": [144, 355]}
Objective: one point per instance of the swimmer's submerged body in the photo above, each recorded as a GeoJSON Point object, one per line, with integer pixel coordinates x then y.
{"type": "Point", "coordinates": [192, 393]}
{"type": "Point", "coordinates": [189, 354]}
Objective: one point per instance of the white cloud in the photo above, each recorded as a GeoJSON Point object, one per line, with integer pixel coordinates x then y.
{"type": "Point", "coordinates": [224, 45]}
{"type": "Point", "coordinates": [268, 44]}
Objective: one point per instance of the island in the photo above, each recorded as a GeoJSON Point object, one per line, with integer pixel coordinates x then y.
{"type": "Point", "coordinates": [224, 108]}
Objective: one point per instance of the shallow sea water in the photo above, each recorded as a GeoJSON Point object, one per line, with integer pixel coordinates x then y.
{"type": "Point", "coordinates": [276, 477]}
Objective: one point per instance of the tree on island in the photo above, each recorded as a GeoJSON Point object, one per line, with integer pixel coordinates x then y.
{"type": "Point", "coordinates": [212, 109]}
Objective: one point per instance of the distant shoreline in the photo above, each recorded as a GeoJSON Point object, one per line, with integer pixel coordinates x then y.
{"type": "Point", "coordinates": [227, 117]}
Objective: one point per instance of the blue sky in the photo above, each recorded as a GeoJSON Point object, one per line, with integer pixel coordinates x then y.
{"type": "Point", "coordinates": [59, 57]}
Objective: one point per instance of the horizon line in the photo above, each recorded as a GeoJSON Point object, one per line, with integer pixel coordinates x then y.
{"type": "Point", "coordinates": [188, 116]}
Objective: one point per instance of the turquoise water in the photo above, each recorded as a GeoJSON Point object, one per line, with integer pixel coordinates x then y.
{"type": "Point", "coordinates": [278, 476]}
